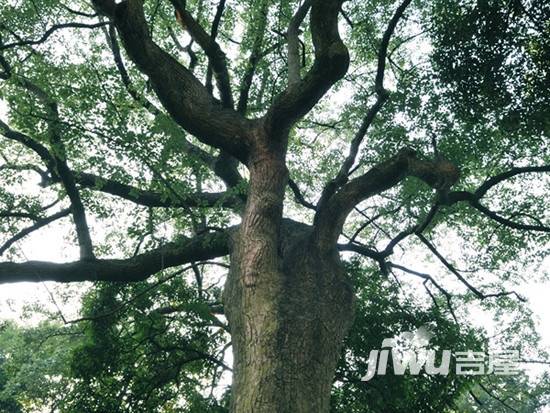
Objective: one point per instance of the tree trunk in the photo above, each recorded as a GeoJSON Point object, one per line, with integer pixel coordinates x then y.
{"type": "Point", "coordinates": [287, 328]}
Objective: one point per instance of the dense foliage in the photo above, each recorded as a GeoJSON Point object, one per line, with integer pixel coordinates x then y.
{"type": "Point", "coordinates": [466, 82]}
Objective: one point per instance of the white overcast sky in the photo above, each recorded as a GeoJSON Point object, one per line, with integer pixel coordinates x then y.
{"type": "Point", "coordinates": [49, 245]}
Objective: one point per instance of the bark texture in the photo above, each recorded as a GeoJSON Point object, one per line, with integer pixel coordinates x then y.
{"type": "Point", "coordinates": [288, 303]}
{"type": "Point", "coordinates": [288, 326]}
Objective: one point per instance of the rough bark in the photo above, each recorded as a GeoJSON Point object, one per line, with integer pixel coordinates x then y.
{"type": "Point", "coordinates": [288, 305]}
{"type": "Point", "coordinates": [288, 326]}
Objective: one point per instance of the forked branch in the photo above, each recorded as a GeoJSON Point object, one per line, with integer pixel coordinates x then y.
{"type": "Point", "coordinates": [330, 65]}
{"type": "Point", "coordinates": [332, 214]}
{"type": "Point", "coordinates": [181, 93]}
{"type": "Point", "coordinates": [211, 48]}
{"type": "Point", "coordinates": [381, 98]}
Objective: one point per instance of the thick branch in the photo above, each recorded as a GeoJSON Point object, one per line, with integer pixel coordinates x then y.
{"type": "Point", "coordinates": [362, 250]}
{"type": "Point", "coordinates": [129, 192]}
{"type": "Point", "coordinates": [330, 64]}
{"type": "Point", "coordinates": [30, 143]}
{"type": "Point", "coordinates": [77, 12]}
{"type": "Point", "coordinates": [26, 167]}
{"type": "Point", "coordinates": [184, 97]}
{"type": "Point", "coordinates": [125, 77]}
{"type": "Point", "coordinates": [507, 222]}
{"type": "Point", "coordinates": [298, 195]}
{"type": "Point", "coordinates": [213, 34]}
{"type": "Point", "coordinates": [211, 48]}
{"type": "Point", "coordinates": [138, 268]}
{"type": "Point", "coordinates": [497, 179]}
{"type": "Point", "coordinates": [425, 171]}
{"type": "Point", "coordinates": [55, 159]}
{"type": "Point", "coordinates": [293, 43]}
{"type": "Point", "coordinates": [256, 56]}
{"type": "Point", "coordinates": [331, 216]}
{"type": "Point", "coordinates": [383, 50]}
{"type": "Point", "coordinates": [58, 167]}
{"type": "Point", "coordinates": [228, 172]}
{"type": "Point", "coordinates": [77, 208]}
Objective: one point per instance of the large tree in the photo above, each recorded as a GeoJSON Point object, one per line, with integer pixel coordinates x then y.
{"type": "Point", "coordinates": [172, 134]}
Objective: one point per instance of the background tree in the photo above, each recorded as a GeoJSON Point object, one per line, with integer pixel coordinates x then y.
{"type": "Point", "coordinates": [174, 141]}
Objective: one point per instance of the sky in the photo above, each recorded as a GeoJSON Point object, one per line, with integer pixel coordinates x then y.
{"type": "Point", "coordinates": [50, 245]}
